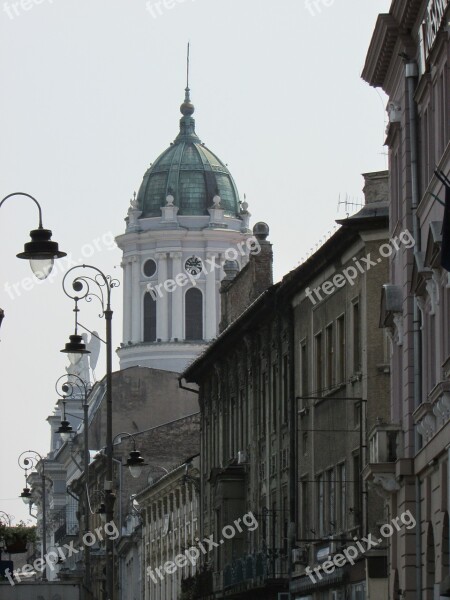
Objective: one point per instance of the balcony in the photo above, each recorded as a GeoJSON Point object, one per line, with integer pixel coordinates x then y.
{"type": "Point", "coordinates": [384, 443]}
{"type": "Point", "coordinates": [384, 453]}
{"type": "Point", "coordinates": [433, 414]}
{"type": "Point", "coordinates": [64, 522]}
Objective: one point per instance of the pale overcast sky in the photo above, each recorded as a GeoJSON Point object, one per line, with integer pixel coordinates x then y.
{"type": "Point", "coordinates": [90, 97]}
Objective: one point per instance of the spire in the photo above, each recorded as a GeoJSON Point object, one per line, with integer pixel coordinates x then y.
{"type": "Point", "coordinates": [187, 123]}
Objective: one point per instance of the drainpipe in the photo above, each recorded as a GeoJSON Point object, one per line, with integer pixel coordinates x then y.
{"type": "Point", "coordinates": [411, 73]}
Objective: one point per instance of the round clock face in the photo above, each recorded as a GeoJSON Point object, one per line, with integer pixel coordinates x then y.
{"type": "Point", "coordinates": [193, 266]}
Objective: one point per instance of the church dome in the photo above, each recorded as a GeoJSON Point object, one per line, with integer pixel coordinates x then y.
{"type": "Point", "coordinates": [189, 172]}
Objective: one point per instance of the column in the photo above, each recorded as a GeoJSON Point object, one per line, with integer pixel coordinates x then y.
{"type": "Point", "coordinates": [211, 299]}
{"type": "Point", "coordinates": [177, 298]}
{"type": "Point", "coordinates": [162, 303]}
{"type": "Point", "coordinates": [126, 266]}
{"type": "Point", "coordinates": [137, 306]}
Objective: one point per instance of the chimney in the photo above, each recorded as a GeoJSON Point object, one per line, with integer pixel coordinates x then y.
{"type": "Point", "coordinates": [376, 187]}
{"type": "Point", "coordinates": [239, 289]}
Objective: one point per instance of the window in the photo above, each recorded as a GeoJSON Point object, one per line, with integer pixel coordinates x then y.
{"type": "Point", "coordinates": [149, 318]}
{"type": "Point", "coordinates": [262, 471]}
{"type": "Point", "coordinates": [358, 591]}
{"type": "Point", "coordinates": [285, 519]}
{"type": "Point", "coordinates": [149, 268]}
{"type": "Point", "coordinates": [273, 465]}
{"type": "Point", "coordinates": [263, 403]}
{"type": "Point", "coordinates": [274, 396]}
{"type": "Point", "coordinates": [356, 338]}
{"type": "Point", "coordinates": [194, 314]}
{"type": "Point", "coordinates": [242, 421]}
{"type": "Point", "coordinates": [233, 427]}
{"type": "Point", "coordinates": [441, 121]}
{"type": "Point", "coordinates": [356, 489]}
{"type": "Point", "coordinates": [357, 415]}
{"type": "Point", "coordinates": [342, 482]}
{"type": "Point", "coordinates": [305, 443]}
{"type": "Point", "coordinates": [321, 503]}
{"type": "Point", "coordinates": [319, 359]}
{"type": "Point", "coordinates": [305, 508]}
{"type": "Point", "coordinates": [304, 368]}
{"type": "Point", "coordinates": [340, 349]}
{"type": "Point", "coordinates": [331, 499]}
{"type": "Point", "coordinates": [285, 389]}
{"type": "Point", "coordinates": [330, 356]}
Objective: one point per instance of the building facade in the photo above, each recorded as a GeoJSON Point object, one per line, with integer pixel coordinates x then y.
{"type": "Point", "coordinates": [342, 390]}
{"type": "Point", "coordinates": [244, 381]}
{"type": "Point", "coordinates": [409, 58]}
{"type": "Point", "coordinates": [170, 509]}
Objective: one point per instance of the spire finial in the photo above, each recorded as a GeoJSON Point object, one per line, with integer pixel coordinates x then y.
{"type": "Point", "coordinates": [187, 64]}
{"type": "Point", "coordinates": [187, 108]}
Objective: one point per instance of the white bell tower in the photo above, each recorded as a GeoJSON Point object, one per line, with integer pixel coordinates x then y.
{"type": "Point", "coordinates": [185, 222]}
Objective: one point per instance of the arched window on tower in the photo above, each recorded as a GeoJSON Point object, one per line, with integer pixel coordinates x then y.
{"type": "Point", "coordinates": [149, 318]}
{"type": "Point", "coordinates": [194, 314]}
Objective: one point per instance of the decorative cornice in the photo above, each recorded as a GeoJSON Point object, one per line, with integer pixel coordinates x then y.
{"type": "Point", "coordinates": [380, 50]}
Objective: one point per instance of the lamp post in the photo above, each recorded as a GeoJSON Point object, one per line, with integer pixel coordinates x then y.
{"type": "Point", "coordinates": [41, 251]}
{"type": "Point", "coordinates": [29, 460]}
{"type": "Point", "coordinates": [81, 290]}
{"type": "Point", "coordinates": [135, 462]}
{"type": "Point", "coordinates": [65, 389]}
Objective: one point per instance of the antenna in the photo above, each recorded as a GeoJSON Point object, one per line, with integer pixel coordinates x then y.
{"type": "Point", "coordinates": [351, 204]}
{"type": "Point", "coordinates": [187, 64]}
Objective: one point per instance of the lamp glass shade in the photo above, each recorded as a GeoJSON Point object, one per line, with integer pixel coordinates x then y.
{"type": "Point", "coordinates": [26, 496]}
{"type": "Point", "coordinates": [65, 436]}
{"type": "Point", "coordinates": [74, 358]}
{"type": "Point", "coordinates": [41, 267]}
{"type": "Point", "coordinates": [135, 470]}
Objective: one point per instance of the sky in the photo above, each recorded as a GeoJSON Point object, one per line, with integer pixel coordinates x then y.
{"type": "Point", "coordinates": [90, 97]}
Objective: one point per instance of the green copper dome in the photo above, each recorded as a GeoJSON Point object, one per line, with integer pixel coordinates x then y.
{"type": "Point", "coordinates": [189, 172]}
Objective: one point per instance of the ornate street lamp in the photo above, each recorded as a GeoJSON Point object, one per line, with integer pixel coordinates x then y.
{"type": "Point", "coordinates": [65, 430]}
{"type": "Point", "coordinates": [66, 387]}
{"type": "Point", "coordinates": [76, 347]}
{"type": "Point", "coordinates": [41, 251]}
{"type": "Point", "coordinates": [81, 289]}
{"type": "Point", "coordinates": [135, 462]}
{"type": "Point", "coordinates": [29, 460]}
